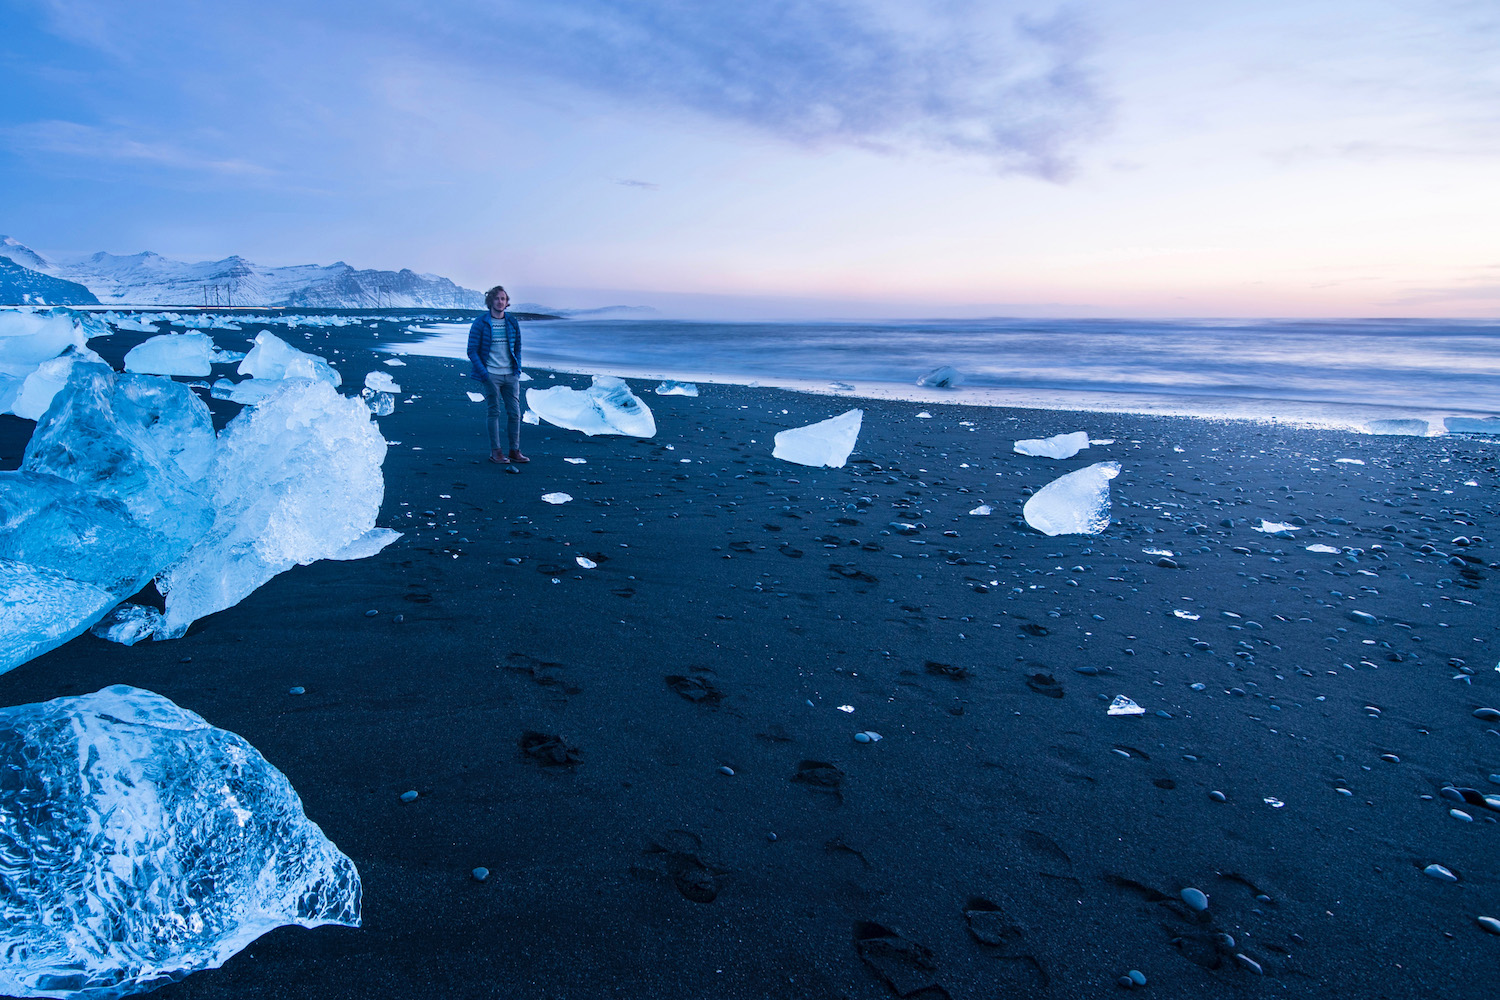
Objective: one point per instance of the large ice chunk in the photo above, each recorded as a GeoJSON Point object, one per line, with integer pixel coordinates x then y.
{"type": "Point", "coordinates": [1402, 427]}
{"type": "Point", "coordinates": [1075, 504]}
{"type": "Point", "coordinates": [30, 339]}
{"type": "Point", "coordinates": [606, 407]}
{"type": "Point", "coordinates": [144, 441]}
{"type": "Point", "coordinates": [827, 442]}
{"type": "Point", "coordinates": [172, 354]}
{"type": "Point", "coordinates": [1057, 446]}
{"type": "Point", "coordinates": [274, 358]}
{"type": "Point", "coordinates": [1472, 425]}
{"type": "Point", "coordinates": [142, 844]}
{"type": "Point", "coordinates": [670, 388]}
{"type": "Point", "coordinates": [294, 480]}
{"type": "Point", "coordinates": [40, 609]}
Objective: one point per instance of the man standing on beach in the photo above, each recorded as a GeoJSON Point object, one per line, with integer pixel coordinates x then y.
{"type": "Point", "coordinates": [495, 359]}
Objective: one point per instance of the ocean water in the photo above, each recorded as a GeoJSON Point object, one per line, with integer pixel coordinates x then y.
{"type": "Point", "coordinates": [1340, 372]}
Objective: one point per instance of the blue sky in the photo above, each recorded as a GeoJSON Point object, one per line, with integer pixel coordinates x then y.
{"type": "Point", "coordinates": [786, 157]}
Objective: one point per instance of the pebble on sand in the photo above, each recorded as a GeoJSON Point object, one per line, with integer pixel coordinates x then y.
{"type": "Point", "coordinates": [297, 690]}
{"type": "Point", "coordinates": [726, 770]}
{"type": "Point", "coordinates": [480, 874]}
{"type": "Point", "coordinates": [1490, 924]}
{"type": "Point", "coordinates": [1440, 873]}
{"type": "Point", "coordinates": [1196, 899]}
{"type": "Point", "coordinates": [1487, 714]}
{"type": "Point", "coordinates": [1218, 796]}
{"type": "Point", "coordinates": [408, 796]}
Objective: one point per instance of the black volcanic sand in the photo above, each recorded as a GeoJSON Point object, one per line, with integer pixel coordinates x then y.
{"type": "Point", "coordinates": [568, 728]}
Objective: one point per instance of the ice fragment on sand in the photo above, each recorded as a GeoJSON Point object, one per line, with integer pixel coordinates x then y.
{"type": "Point", "coordinates": [1276, 528]}
{"type": "Point", "coordinates": [475, 397]}
{"type": "Point", "coordinates": [825, 443]}
{"type": "Point", "coordinates": [1075, 504]}
{"type": "Point", "coordinates": [394, 362]}
{"type": "Point", "coordinates": [382, 404]}
{"type": "Point", "coordinates": [670, 388]}
{"type": "Point", "coordinates": [576, 461]}
{"type": "Point", "coordinates": [249, 392]}
{"type": "Point", "coordinates": [556, 497]}
{"type": "Point", "coordinates": [366, 545]}
{"type": "Point", "coordinates": [274, 358]}
{"type": "Point", "coordinates": [924, 415]}
{"type": "Point", "coordinates": [40, 609]}
{"type": "Point", "coordinates": [172, 354]}
{"type": "Point", "coordinates": [530, 417]}
{"type": "Point", "coordinates": [942, 377]}
{"type": "Point", "coordinates": [1324, 549]}
{"type": "Point", "coordinates": [606, 407]}
{"type": "Point", "coordinates": [143, 844]}
{"type": "Point", "coordinates": [29, 340]}
{"type": "Point", "coordinates": [1408, 428]}
{"type": "Point", "coordinates": [983, 510]}
{"type": "Point", "coordinates": [128, 624]}
{"type": "Point", "coordinates": [1187, 615]}
{"type": "Point", "coordinates": [294, 480]}
{"type": "Point", "coordinates": [1472, 425]}
{"type": "Point", "coordinates": [1057, 446]}
{"type": "Point", "coordinates": [585, 562]}
{"type": "Point", "coordinates": [1350, 461]}
{"type": "Point", "coordinates": [381, 382]}
{"type": "Point", "coordinates": [1124, 706]}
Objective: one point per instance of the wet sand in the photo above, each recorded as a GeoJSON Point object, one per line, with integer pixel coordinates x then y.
{"type": "Point", "coordinates": [1005, 837]}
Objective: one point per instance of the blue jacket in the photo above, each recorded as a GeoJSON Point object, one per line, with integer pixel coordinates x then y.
{"type": "Point", "coordinates": [481, 338]}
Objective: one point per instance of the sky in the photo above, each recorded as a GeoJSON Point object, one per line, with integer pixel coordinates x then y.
{"type": "Point", "coordinates": [792, 158]}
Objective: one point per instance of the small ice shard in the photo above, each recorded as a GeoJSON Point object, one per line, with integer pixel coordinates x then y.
{"type": "Point", "coordinates": [381, 404]}
{"type": "Point", "coordinates": [1057, 446]}
{"type": "Point", "coordinates": [1350, 461]}
{"type": "Point", "coordinates": [670, 388]}
{"type": "Point", "coordinates": [128, 624]}
{"type": "Point", "coordinates": [983, 510]}
{"type": "Point", "coordinates": [1325, 549]}
{"type": "Point", "coordinates": [475, 397]}
{"type": "Point", "coordinates": [223, 357]}
{"type": "Point", "coordinates": [576, 461]}
{"type": "Point", "coordinates": [274, 358]}
{"type": "Point", "coordinates": [846, 708]}
{"type": "Point", "coordinates": [143, 844]}
{"type": "Point", "coordinates": [1273, 802]}
{"type": "Point", "coordinates": [924, 415]}
{"type": "Point", "coordinates": [1159, 552]}
{"type": "Point", "coordinates": [1188, 615]}
{"type": "Point", "coordinates": [1101, 441]}
{"type": "Point", "coordinates": [1075, 504]}
{"type": "Point", "coordinates": [530, 417]}
{"type": "Point", "coordinates": [172, 354]}
{"type": "Point", "coordinates": [366, 545]}
{"type": "Point", "coordinates": [133, 324]}
{"type": "Point", "coordinates": [1403, 427]}
{"type": "Point", "coordinates": [585, 562]}
{"type": "Point", "coordinates": [381, 382]}
{"type": "Point", "coordinates": [248, 392]}
{"type": "Point", "coordinates": [1276, 528]}
{"type": "Point", "coordinates": [840, 386]}
{"type": "Point", "coordinates": [1472, 425]}
{"type": "Point", "coordinates": [556, 497]}
{"type": "Point", "coordinates": [394, 362]}
{"type": "Point", "coordinates": [293, 480]}
{"type": "Point", "coordinates": [1124, 706]}
{"type": "Point", "coordinates": [606, 407]}
{"type": "Point", "coordinates": [825, 443]}
{"type": "Point", "coordinates": [942, 377]}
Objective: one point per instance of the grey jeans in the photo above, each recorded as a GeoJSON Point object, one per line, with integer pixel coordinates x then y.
{"type": "Point", "coordinates": [506, 389]}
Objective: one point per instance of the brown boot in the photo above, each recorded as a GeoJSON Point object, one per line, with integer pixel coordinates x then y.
{"type": "Point", "coordinates": [498, 457]}
{"type": "Point", "coordinates": [517, 457]}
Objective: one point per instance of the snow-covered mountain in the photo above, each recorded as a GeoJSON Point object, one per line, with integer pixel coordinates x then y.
{"type": "Point", "coordinates": [21, 286]}
{"type": "Point", "coordinates": [149, 279]}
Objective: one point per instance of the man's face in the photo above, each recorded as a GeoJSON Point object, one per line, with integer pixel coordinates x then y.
{"type": "Point", "coordinates": [501, 302]}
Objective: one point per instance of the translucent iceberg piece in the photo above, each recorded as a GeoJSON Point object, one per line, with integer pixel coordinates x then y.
{"type": "Point", "coordinates": [144, 441]}
{"type": "Point", "coordinates": [606, 407]}
{"type": "Point", "coordinates": [172, 354]}
{"type": "Point", "coordinates": [556, 498]}
{"type": "Point", "coordinates": [382, 404]}
{"type": "Point", "coordinates": [983, 510]}
{"type": "Point", "coordinates": [274, 358]}
{"type": "Point", "coordinates": [40, 609]}
{"type": "Point", "coordinates": [530, 417]}
{"type": "Point", "coordinates": [942, 377]}
{"type": "Point", "coordinates": [1057, 446]}
{"type": "Point", "coordinates": [1075, 504]}
{"type": "Point", "coordinates": [366, 545]}
{"type": "Point", "coordinates": [381, 382]}
{"type": "Point", "coordinates": [143, 844]}
{"type": "Point", "coordinates": [53, 524]}
{"type": "Point", "coordinates": [248, 392]}
{"type": "Point", "coordinates": [1124, 706]}
{"type": "Point", "coordinates": [670, 388]}
{"type": "Point", "coordinates": [1327, 550]}
{"type": "Point", "coordinates": [27, 340]}
{"type": "Point", "coordinates": [1472, 425]}
{"type": "Point", "coordinates": [294, 480]}
{"type": "Point", "coordinates": [825, 443]}
{"type": "Point", "coordinates": [475, 397]}
{"type": "Point", "coordinates": [1406, 428]}
{"type": "Point", "coordinates": [128, 624]}
{"type": "Point", "coordinates": [1276, 528]}
{"type": "Point", "coordinates": [43, 385]}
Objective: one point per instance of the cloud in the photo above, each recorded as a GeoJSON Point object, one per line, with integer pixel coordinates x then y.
{"type": "Point", "coordinates": [92, 142]}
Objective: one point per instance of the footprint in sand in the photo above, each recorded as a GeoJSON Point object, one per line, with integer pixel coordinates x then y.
{"type": "Point", "coordinates": [698, 688]}
{"type": "Point", "coordinates": [904, 965]}
{"type": "Point", "coordinates": [948, 670]}
{"type": "Point", "coordinates": [1044, 684]}
{"type": "Point", "coordinates": [821, 776]}
{"type": "Point", "coordinates": [549, 750]}
{"type": "Point", "coordinates": [990, 926]}
{"type": "Point", "coordinates": [676, 857]}
{"type": "Point", "coordinates": [542, 672]}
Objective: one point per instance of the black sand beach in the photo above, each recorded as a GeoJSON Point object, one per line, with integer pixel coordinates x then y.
{"type": "Point", "coordinates": [1005, 838]}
